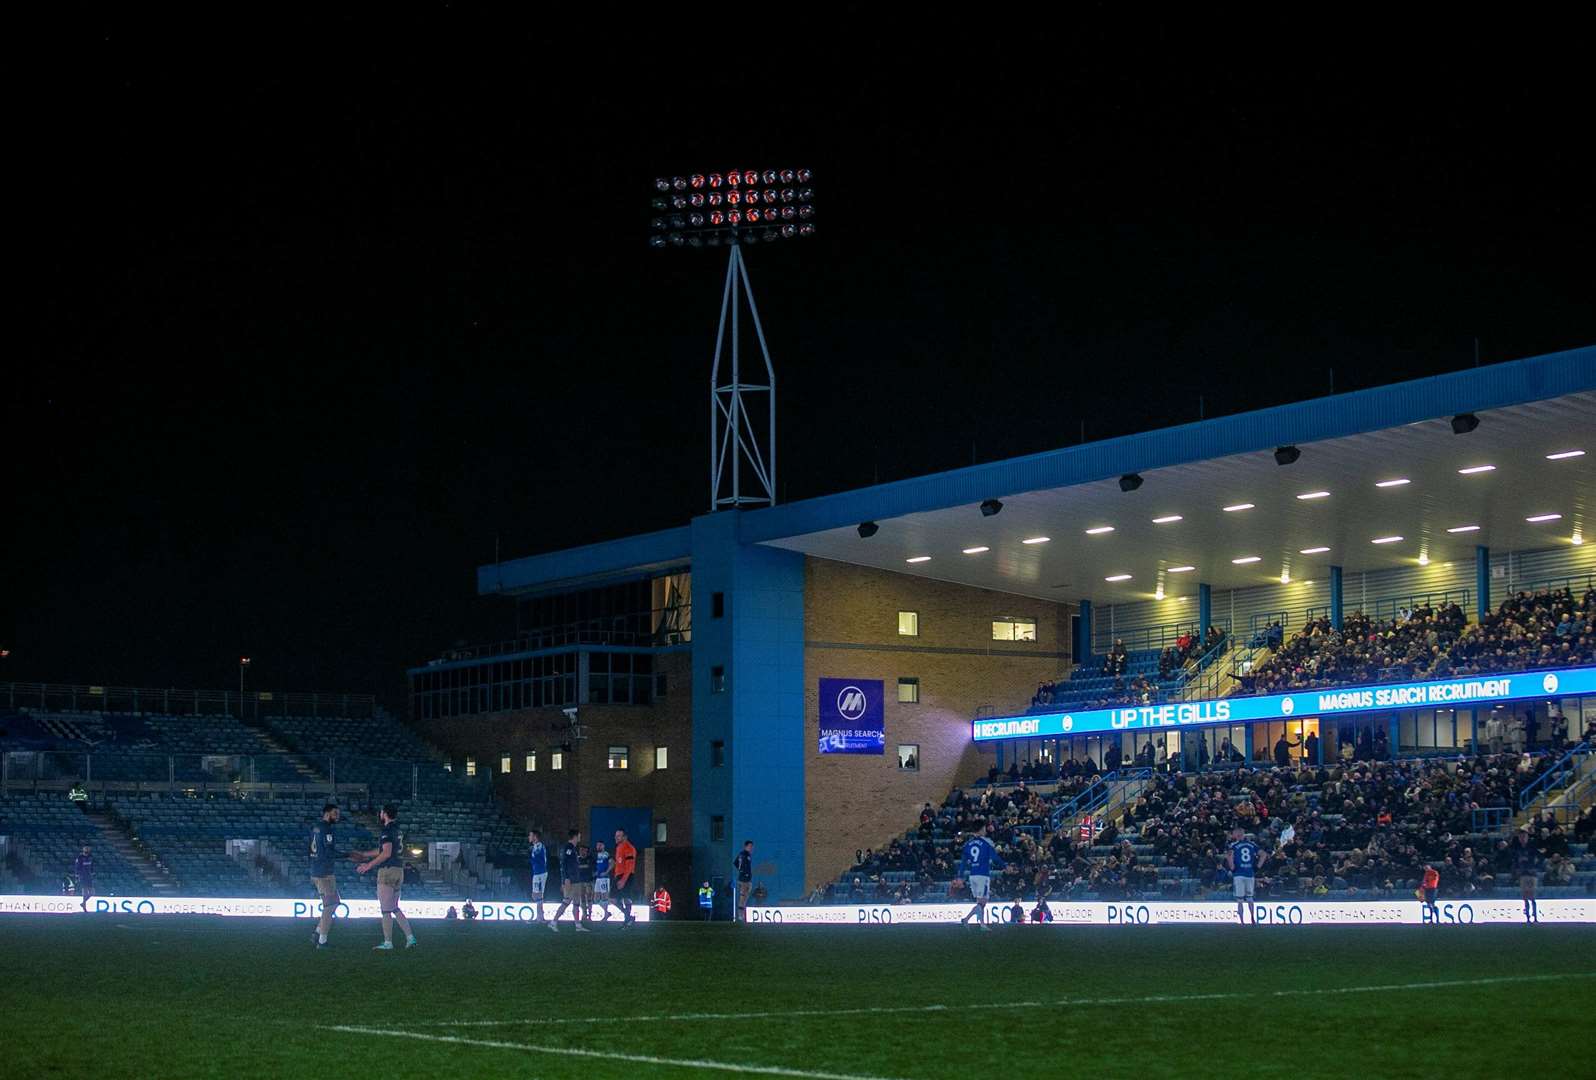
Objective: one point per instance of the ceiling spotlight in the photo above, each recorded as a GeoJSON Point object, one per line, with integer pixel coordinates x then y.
{"type": "Point", "coordinates": [1130, 481]}
{"type": "Point", "coordinates": [868, 529]}
{"type": "Point", "coordinates": [990, 507]}
{"type": "Point", "coordinates": [1464, 422]}
{"type": "Point", "coordinates": [1286, 455]}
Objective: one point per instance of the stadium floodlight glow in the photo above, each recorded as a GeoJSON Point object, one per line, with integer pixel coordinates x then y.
{"type": "Point", "coordinates": [1036, 540]}
{"type": "Point", "coordinates": [918, 559]}
{"type": "Point", "coordinates": [1130, 481]}
{"type": "Point", "coordinates": [1245, 559]}
{"type": "Point", "coordinates": [1181, 569]}
{"type": "Point", "coordinates": [990, 507]}
{"type": "Point", "coordinates": [1117, 577]}
{"type": "Point", "coordinates": [1313, 551]}
{"type": "Point", "coordinates": [1475, 469]}
{"type": "Point", "coordinates": [1538, 518]}
{"type": "Point", "coordinates": [1231, 509]}
{"type": "Point", "coordinates": [1563, 455]}
{"type": "Point", "coordinates": [867, 529]}
{"type": "Point", "coordinates": [754, 194]}
{"type": "Point", "coordinates": [1386, 540]}
{"type": "Point", "coordinates": [1167, 519]}
{"type": "Point", "coordinates": [1306, 495]}
{"type": "Point", "coordinates": [1464, 422]}
{"type": "Point", "coordinates": [1099, 530]}
{"type": "Point", "coordinates": [1393, 483]}
{"type": "Point", "coordinates": [1464, 528]}
{"type": "Point", "coordinates": [976, 550]}
{"type": "Point", "coordinates": [1287, 455]}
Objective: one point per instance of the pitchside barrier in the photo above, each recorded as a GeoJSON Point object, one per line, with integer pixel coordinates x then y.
{"type": "Point", "coordinates": [260, 907]}
{"type": "Point", "coordinates": [1154, 913]}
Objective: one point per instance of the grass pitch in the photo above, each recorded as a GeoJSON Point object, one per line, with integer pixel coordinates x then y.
{"type": "Point", "coordinates": [109, 996]}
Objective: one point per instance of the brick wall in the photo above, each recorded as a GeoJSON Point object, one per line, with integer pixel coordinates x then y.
{"type": "Point", "coordinates": [851, 631]}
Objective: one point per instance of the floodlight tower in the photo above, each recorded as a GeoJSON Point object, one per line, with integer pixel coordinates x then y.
{"type": "Point", "coordinates": [740, 207]}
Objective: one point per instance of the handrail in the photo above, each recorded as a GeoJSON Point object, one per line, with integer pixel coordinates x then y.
{"type": "Point", "coordinates": [1490, 818]}
{"type": "Point", "coordinates": [1559, 771]}
{"type": "Point", "coordinates": [1389, 606]}
{"type": "Point", "coordinates": [1587, 581]}
{"type": "Point", "coordinates": [1097, 794]}
{"type": "Point", "coordinates": [1266, 619]}
{"type": "Point", "coordinates": [585, 632]}
{"type": "Point", "coordinates": [71, 697]}
{"type": "Point", "coordinates": [1142, 638]}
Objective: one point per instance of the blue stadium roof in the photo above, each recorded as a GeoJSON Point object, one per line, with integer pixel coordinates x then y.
{"type": "Point", "coordinates": [1349, 443]}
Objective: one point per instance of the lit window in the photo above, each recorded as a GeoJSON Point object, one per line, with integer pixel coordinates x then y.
{"type": "Point", "coordinates": [471, 766]}
{"type": "Point", "coordinates": [1012, 629]}
{"type": "Point", "coordinates": [532, 762]}
{"type": "Point", "coordinates": [557, 760]}
{"type": "Point", "coordinates": [661, 833]}
{"type": "Point", "coordinates": [504, 764]}
{"type": "Point", "coordinates": [909, 757]}
{"type": "Point", "coordinates": [908, 624]}
{"type": "Point", "coordinates": [661, 757]}
{"type": "Point", "coordinates": [908, 691]}
{"type": "Point", "coordinates": [619, 757]}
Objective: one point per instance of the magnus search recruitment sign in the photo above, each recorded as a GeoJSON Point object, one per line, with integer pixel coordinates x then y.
{"type": "Point", "coordinates": [1329, 701]}
{"type": "Point", "coordinates": [852, 717]}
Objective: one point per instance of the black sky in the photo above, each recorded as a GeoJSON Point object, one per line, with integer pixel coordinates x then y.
{"type": "Point", "coordinates": [309, 327]}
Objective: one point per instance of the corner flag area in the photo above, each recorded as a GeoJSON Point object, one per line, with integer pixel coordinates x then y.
{"type": "Point", "coordinates": [197, 996]}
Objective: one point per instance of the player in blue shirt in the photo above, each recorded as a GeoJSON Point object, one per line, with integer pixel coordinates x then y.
{"type": "Point", "coordinates": [976, 863]}
{"type": "Point", "coordinates": [570, 880]}
{"type": "Point", "coordinates": [322, 857]}
{"type": "Point", "coordinates": [537, 858]}
{"type": "Point", "coordinates": [1244, 859]}
{"type": "Point", "coordinates": [601, 880]}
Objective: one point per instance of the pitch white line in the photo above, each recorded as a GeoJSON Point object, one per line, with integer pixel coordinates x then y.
{"type": "Point", "coordinates": [571, 1051]}
{"type": "Point", "coordinates": [1150, 999]}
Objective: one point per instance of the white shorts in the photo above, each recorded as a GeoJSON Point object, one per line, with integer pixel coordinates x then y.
{"type": "Point", "coordinates": [601, 886]}
{"type": "Point", "coordinates": [980, 886]}
{"type": "Point", "coordinates": [538, 882]}
{"type": "Point", "coordinates": [1244, 887]}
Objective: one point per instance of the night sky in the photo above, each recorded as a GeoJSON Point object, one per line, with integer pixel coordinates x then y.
{"type": "Point", "coordinates": [309, 330]}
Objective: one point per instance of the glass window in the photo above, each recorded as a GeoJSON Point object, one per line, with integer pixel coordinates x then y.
{"type": "Point", "coordinates": [504, 764]}
{"type": "Point", "coordinates": [717, 754]}
{"type": "Point", "coordinates": [661, 833]}
{"type": "Point", "coordinates": [661, 757]}
{"type": "Point", "coordinates": [909, 757]}
{"type": "Point", "coordinates": [717, 679]}
{"type": "Point", "coordinates": [908, 691]}
{"type": "Point", "coordinates": [717, 604]}
{"type": "Point", "coordinates": [532, 761]}
{"type": "Point", "coordinates": [717, 827]}
{"type": "Point", "coordinates": [909, 623]}
{"type": "Point", "coordinates": [619, 757]}
{"type": "Point", "coordinates": [471, 766]}
{"type": "Point", "coordinates": [557, 760]}
{"type": "Point", "coordinates": [1010, 628]}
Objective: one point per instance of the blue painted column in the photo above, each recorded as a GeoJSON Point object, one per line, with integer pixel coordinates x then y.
{"type": "Point", "coordinates": [1082, 645]}
{"type": "Point", "coordinates": [759, 715]}
{"type": "Point", "coordinates": [1482, 581]}
{"type": "Point", "coordinates": [1394, 737]}
{"type": "Point", "coordinates": [1335, 597]}
{"type": "Point", "coordinates": [1205, 609]}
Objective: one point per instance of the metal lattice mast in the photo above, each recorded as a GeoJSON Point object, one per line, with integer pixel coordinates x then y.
{"type": "Point", "coordinates": [735, 443]}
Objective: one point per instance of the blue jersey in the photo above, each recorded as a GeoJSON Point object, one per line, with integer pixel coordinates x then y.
{"type": "Point", "coordinates": [570, 863]}
{"type": "Point", "coordinates": [538, 859]}
{"type": "Point", "coordinates": [1244, 854]}
{"type": "Point", "coordinates": [601, 865]}
{"type": "Point", "coordinates": [321, 849]}
{"type": "Point", "coordinates": [980, 858]}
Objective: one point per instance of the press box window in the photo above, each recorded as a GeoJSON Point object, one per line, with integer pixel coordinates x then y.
{"type": "Point", "coordinates": [661, 833]}
{"type": "Point", "coordinates": [557, 760]}
{"type": "Point", "coordinates": [717, 827]}
{"type": "Point", "coordinates": [1010, 629]}
{"type": "Point", "coordinates": [908, 624]}
{"type": "Point", "coordinates": [909, 757]}
{"type": "Point", "coordinates": [908, 691]}
{"type": "Point", "coordinates": [661, 757]}
{"type": "Point", "coordinates": [717, 679]}
{"type": "Point", "coordinates": [619, 757]}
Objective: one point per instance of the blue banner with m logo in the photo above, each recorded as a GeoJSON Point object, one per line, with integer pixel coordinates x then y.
{"type": "Point", "coordinates": [852, 717]}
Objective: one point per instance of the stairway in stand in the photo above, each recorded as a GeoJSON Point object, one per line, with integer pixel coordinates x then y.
{"type": "Point", "coordinates": [115, 835]}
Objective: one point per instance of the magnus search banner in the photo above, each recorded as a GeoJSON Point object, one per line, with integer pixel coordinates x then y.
{"type": "Point", "coordinates": [1329, 701]}
{"type": "Point", "coordinates": [852, 717]}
